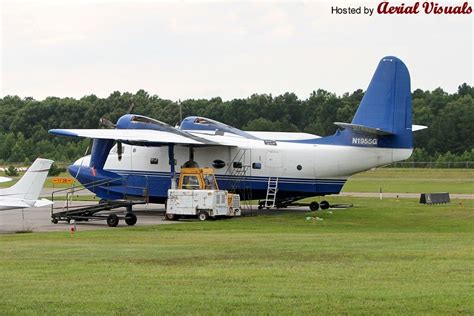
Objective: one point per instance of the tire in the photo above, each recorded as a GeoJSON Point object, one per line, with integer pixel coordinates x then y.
{"type": "Point", "coordinates": [171, 217]}
{"type": "Point", "coordinates": [130, 219]}
{"type": "Point", "coordinates": [203, 215]}
{"type": "Point", "coordinates": [112, 220]}
{"type": "Point", "coordinates": [314, 206]}
{"type": "Point", "coordinates": [324, 205]}
{"type": "Point", "coordinates": [54, 220]}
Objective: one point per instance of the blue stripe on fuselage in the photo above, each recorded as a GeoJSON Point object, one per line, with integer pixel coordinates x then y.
{"type": "Point", "coordinates": [156, 184]}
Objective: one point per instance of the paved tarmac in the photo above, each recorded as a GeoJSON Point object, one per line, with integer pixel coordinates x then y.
{"type": "Point", "coordinates": [39, 219]}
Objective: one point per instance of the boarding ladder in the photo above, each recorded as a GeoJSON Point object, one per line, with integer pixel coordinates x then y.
{"type": "Point", "coordinates": [237, 174]}
{"type": "Point", "coordinates": [272, 190]}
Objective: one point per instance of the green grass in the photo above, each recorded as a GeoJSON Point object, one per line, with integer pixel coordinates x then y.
{"type": "Point", "coordinates": [406, 180]}
{"type": "Point", "coordinates": [380, 257]}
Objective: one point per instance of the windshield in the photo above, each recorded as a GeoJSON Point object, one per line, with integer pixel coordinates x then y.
{"type": "Point", "coordinates": [190, 183]}
{"type": "Point", "coordinates": [210, 182]}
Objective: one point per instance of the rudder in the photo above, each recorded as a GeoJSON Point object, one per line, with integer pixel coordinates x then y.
{"type": "Point", "coordinates": [386, 104]}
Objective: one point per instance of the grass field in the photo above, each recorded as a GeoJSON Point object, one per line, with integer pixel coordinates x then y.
{"type": "Point", "coordinates": [380, 257]}
{"type": "Point", "coordinates": [409, 180]}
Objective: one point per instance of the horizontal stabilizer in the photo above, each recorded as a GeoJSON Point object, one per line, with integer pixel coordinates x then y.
{"type": "Point", "coordinates": [362, 128]}
{"type": "Point", "coordinates": [415, 128]}
{"type": "Point", "coordinates": [14, 203]}
{"type": "Point", "coordinates": [43, 202]}
{"type": "Point", "coordinates": [5, 179]}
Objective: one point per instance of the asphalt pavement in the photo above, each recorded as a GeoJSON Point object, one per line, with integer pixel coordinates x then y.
{"type": "Point", "coordinates": [39, 219]}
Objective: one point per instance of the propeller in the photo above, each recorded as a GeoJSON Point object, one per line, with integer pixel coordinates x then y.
{"type": "Point", "coordinates": [106, 123]}
{"type": "Point", "coordinates": [103, 121]}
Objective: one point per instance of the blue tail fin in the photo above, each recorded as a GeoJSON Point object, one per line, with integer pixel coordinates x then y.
{"type": "Point", "coordinates": [387, 103]}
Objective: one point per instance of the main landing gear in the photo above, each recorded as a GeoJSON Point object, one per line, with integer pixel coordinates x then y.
{"type": "Point", "coordinates": [323, 205]}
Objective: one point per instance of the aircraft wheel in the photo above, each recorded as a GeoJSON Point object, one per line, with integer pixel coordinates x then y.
{"type": "Point", "coordinates": [203, 215]}
{"type": "Point", "coordinates": [112, 220]}
{"type": "Point", "coordinates": [324, 205]}
{"type": "Point", "coordinates": [54, 220]}
{"type": "Point", "coordinates": [314, 206]}
{"type": "Point", "coordinates": [130, 219]}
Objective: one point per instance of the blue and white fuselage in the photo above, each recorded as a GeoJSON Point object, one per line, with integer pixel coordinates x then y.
{"type": "Point", "coordinates": [305, 164]}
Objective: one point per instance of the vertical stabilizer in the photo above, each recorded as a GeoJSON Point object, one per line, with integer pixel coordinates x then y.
{"type": "Point", "coordinates": [30, 185]}
{"type": "Point", "coordinates": [386, 104]}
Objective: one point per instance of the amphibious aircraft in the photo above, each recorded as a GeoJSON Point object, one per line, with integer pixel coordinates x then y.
{"type": "Point", "coordinates": [25, 192]}
{"type": "Point", "coordinates": [140, 156]}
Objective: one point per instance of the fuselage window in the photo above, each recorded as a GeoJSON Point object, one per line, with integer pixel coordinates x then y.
{"type": "Point", "coordinates": [218, 164]}
{"type": "Point", "coordinates": [299, 167]}
{"type": "Point", "coordinates": [190, 183]}
{"type": "Point", "coordinates": [257, 165]}
{"type": "Point", "coordinates": [153, 161]}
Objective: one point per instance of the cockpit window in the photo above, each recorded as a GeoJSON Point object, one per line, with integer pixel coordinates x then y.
{"type": "Point", "coordinates": [143, 119]}
{"type": "Point", "coordinates": [201, 120]}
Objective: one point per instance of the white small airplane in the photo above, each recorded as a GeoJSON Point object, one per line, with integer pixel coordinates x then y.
{"type": "Point", "coordinates": [25, 192]}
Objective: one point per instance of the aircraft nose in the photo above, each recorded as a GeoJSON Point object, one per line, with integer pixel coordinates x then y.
{"type": "Point", "coordinates": [73, 169]}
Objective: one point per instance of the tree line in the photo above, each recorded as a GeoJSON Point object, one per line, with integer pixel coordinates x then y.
{"type": "Point", "coordinates": [24, 122]}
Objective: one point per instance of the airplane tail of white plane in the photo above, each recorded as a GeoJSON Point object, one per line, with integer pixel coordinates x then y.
{"type": "Point", "coordinates": [30, 185]}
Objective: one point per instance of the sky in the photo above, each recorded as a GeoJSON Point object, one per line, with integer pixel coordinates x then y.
{"type": "Point", "coordinates": [190, 50]}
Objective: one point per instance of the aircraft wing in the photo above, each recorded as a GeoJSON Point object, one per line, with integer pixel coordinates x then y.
{"type": "Point", "coordinates": [143, 136]}
{"type": "Point", "coordinates": [43, 202]}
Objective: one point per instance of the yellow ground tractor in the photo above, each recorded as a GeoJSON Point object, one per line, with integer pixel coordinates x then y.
{"type": "Point", "coordinates": [199, 196]}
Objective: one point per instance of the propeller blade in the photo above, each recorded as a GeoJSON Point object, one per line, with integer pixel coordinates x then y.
{"type": "Point", "coordinates": [130, 108]}
{"type": "Point", "coordinates": [105, 122]}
